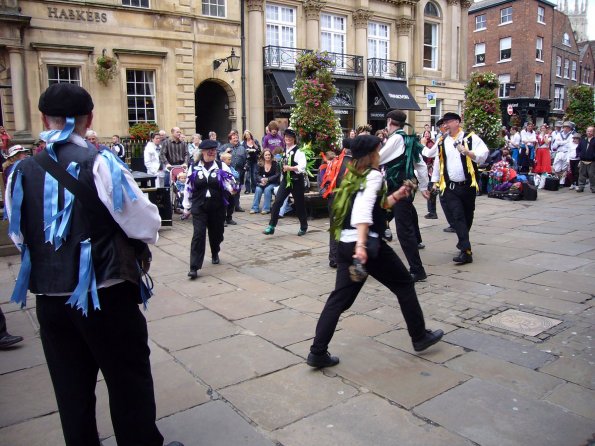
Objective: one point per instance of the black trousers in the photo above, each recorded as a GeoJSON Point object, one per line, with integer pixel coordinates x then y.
{"type": "Point", "coordinates": [3, 330]}
{"type": "Point", "coordinates": [408, 232]}
{"type": "Point", "coordinates": [210, 217]}
{"type": "Point", "coordinates": [333, 243]}
{"type": "Point", "coordinates": [445, 209]}
{"type": "Point", "coordinates": [297, 190]}
{"type": "Point", "coordinates": [388, 269]}
{"type": "Point", "coordinates": [460, 201]}
{"type": "Point", "coordinates": [113, 340]}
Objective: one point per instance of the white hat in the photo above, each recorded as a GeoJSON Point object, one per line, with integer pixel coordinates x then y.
{"type": "Point", "coordinates": [14, 150]}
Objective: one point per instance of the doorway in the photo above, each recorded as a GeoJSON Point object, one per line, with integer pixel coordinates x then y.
{"type": "Point", "coordinates": [212, 110]}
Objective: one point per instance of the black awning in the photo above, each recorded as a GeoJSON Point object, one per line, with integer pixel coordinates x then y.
{"type": "Point", "coordinates": [284, 80]}
{"type": "Point", "coordinates": [396, 94]}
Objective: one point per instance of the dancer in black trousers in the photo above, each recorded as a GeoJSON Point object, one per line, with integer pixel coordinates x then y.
{"type": "Point", "coordinates": [292, 182]}
{"type": "Point", "coordinates": [360, 221]}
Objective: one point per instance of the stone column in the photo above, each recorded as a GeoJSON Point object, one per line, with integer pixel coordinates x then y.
{"type": "Point", "coordinates": [404, 26]}
{"type": "Point", "coordinates": [255, 73]}
{"type": "Point", "coordinates": [450, 53]}
{"type": "Point", "coordinates": [19, 92]}
{"type": "Point", "coordinates": [465, 5]}
{"type": "Point", "coordinates": [360, 21]}
{"type": "Point", "coordinates": [312, 9]}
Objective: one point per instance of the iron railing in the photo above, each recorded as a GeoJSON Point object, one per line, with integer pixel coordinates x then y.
{"type": "Point", "coordinates": [279, 57]}
{"type": "Point", "coordinates": [388, 69]}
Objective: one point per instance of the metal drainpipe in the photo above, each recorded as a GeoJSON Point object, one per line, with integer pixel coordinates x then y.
{"type": "Point", "coordinates": [243, 77]}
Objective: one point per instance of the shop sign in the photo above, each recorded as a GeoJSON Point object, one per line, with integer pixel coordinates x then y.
{"type": "Point", "coordinates": [76, 15]}
{"type": "Point", "coordinates": [341, 112]}
{"type": "Point", "coordinates": [438, 84]}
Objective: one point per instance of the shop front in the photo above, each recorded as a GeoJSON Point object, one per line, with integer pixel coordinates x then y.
{"type": "Point", "coordinates": [385, 95]}
{"type": "Point", "coordinates": [517, 111]}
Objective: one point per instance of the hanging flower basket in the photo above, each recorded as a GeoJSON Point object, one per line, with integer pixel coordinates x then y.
{"type": "Point", "coordinates": [106, 68]}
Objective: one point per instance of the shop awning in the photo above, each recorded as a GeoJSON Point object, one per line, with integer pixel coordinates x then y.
{"type": "Point", "coordinates": [396, 94]}
{"type": "Point", "coordinates": [284, 80]}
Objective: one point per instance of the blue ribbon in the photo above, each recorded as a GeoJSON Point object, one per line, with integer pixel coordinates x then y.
{"type": "Point", "coordinates": [14, 225]}
{"type": "Point", "coordinates": [146, 286]}
{"type": "Point", "coordinates": [19, 294]}
{"type": "Point", "coordinates": [87, 282]}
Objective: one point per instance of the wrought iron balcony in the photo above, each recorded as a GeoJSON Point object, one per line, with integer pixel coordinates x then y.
{"type": "Point", "coordinates": [387, 69]}
{"type": "Point", "coordinates": [279, 57]}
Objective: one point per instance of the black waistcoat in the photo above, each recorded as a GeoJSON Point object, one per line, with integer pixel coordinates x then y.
{"type": "Point", "coordinates": [292, 174]}
{"type": "Point", "coordinates": [442, 150]}
{"type": "Point", "coordinates": [203, 182]}
{"type": "Point", "coordinates": [378, 216]}
{"type": "Point", "coordinates": [55, 272]}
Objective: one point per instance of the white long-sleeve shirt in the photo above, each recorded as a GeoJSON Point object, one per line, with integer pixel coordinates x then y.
{"type": "Point", "coordinates": [454, 165]}
{"type": "Point", "coordinates": [528, 137]}
{"type": "Point", "coordinates": [394, 147]}
{"type": "Point", "coordinates": [299, 158]}
{"type": "Point", "coordinates": [138, 219]}
{"type": "Point", "coordinates": [363, 205]}
{"type": "Point", "coordinates": [151, 157]}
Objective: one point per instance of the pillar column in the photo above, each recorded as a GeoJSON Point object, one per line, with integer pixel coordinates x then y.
{"type": "Point", "coordinates": [465, 5]}
{"type": "Point", "coordinates": [19, 94]}
{"type": "Point", "coordinates": [255, 71]}
{"type": "Point", "coordinates": [312, 9]}
{"type": "Point", "coordinates": [404, 26]}
{"type": "Point", "coordinates": [360, 21]}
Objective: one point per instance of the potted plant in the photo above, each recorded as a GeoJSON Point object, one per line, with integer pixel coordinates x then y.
{"type": "Point", "coordinates": [106, 68]}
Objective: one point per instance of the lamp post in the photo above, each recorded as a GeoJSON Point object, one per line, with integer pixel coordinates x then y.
{"type": "Point", "coordinates": [233, 61]}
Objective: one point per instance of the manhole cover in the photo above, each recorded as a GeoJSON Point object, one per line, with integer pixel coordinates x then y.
{"type": "Point", "coordinates": [520, 322]}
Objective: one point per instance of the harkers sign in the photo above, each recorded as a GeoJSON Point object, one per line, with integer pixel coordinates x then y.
{"type": "Point", "coordinates": [77, 15]}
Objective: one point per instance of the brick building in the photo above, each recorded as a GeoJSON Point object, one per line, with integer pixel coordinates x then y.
{"type": "Point", "coordinates": [586, 63]}
{"type": "Point", "coordinates": [531, 47]}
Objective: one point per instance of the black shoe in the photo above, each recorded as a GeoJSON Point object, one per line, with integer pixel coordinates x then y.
{"type": "Point", "coordinates": [215, 259]}
{"type": "Point", "coordinates": [463, 258]}
{"type": "Point", "coordinates": [193, 274]}
{"type": "Point", "coordinates": [428, 340]}
{"type": "Point", "coordinates": [246, 192]}
{"type": "Point", "coordinates": [332, 264]}
{"type": "Point", "coordinates": [417, 277]}
{"type": "Point", "coordinates": [320, 361]}
{"type": "Point", "coordinates": [239, 209]}
{"type": "Point", "coordinates": [388, 235]}
{"type": "Point", "coordinates": [302, 232]}
{"type": "Point", "coordinates": [420, 245]}
{"type": "Point", "coordinates": [431, 216]}
{"type": "Point", "coordinates": [230, 222]}
{"type": "Point", "coordinates": [449, 229]}
{"type": "Point", "coordinates": [8, 340]}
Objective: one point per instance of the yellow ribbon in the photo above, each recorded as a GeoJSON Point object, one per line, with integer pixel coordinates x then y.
{"type": "Point", "coordinates": [470, 169]}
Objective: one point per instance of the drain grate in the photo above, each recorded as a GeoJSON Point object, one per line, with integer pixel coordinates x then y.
{"type": "Point", "coordinates": [527, 324]}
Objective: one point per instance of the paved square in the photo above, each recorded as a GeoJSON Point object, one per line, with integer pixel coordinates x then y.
{"type": "Point", "coordinates": [521, 322]}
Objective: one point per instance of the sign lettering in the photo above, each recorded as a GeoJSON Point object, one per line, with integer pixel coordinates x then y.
{"type": "Point", "coordinates": [398, 96]}
{"type": "Point", "coordinates": [78, 15]}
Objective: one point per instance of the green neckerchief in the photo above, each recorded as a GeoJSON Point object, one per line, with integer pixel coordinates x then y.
{"type": "Point", "coordinates": [310, 160]}
{"type": "Point", "coordinates": [406, 165]}
{"type": "Point", "coordinates": [351, 183]}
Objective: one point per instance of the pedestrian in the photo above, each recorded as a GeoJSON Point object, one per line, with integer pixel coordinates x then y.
{"type": "Point", "coordinates": [358, 224]}
{"type": "Point", "coordinates": [252, 148]}
{"type": "Point", "coordinates": [193, 146]}
{"type": "Point", "coordinates": [273, 140]}
{"type": "Point", "coordinates": [459, 155]}
{"type": "Point", "coordinates": [401, 158]}
{"type": "Point", "coordinates": [238, 161]}
{"type": "Point", "coordinates": [6, 339]}
{"type": "Point", "coordinates": [174, 152]}
{"type": "Point", "coordinates": [292, 182]}
{"type": "Point", "coordinates": [84, 263]}
{"type": "Point", "coordinates": [586, 167]}
{"type": "Point", "coordinates": [209, 188]}
{"type": "Point", "coordinates": [152, 159]}
{"type": "Point", "coordinates": [4, 140]}
{"type": "Point", "coordinates": [118, 148]}
{"type": "Point", "coordinates": [577, 146]}
{"type": "Point", "coordinates": [230, 207]}
{"type": "Point", "coordinates": [268, 177]}
{"type": "Point", "coordinates": [15, 154]}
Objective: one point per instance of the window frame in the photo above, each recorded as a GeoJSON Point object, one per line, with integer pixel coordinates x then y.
{"type": "Point", "coordinates": [58, 80]}
{"type": "Point", "coordinates": [537, 90]}
{"type": "Point", "coordinates": [558, 97]}
{"type": "Point", "coordinates": [140, 6]}
{"type": "Point", "coordinates": [152, 96]}
{"type": "Point", "coordinates": [377, 40]}
{"type": "Point", "coordinates": [209, 4]}
{"type": "Point", "coordinates": [485, 22]}
{"type": "Point", "coordinates": [509, 58]}
{"type": "Point", "coordinates": [281, 25]}
{"type": "Point", "coordinates": [566, 68]}
{"type": "Point", "coordinates": [539, 48]}
{"type": "Point", "coordinates": [558, 66]}
{"type": "Point", "coordinates": [335, 35]}
{"type": "Point", "coordinates": [434, 22]}
{"type": "Point", "coordinates": [436, 112]}
{"type": "Point", "coordinates": [566, 39]}
{"type": "Point", "coordinates": [477, 62]}
{"type": "Point", "coordinates": [541, 9]}
{"type": "Point", "coordinates": [504, 87]}
{"type": "Point", "coordinates": [573, 68]}
{"type": "Point", "coordinates": [505, 13]}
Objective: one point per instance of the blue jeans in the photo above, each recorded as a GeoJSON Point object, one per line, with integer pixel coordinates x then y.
{"type": "Point", "coordinates": [268, 196]}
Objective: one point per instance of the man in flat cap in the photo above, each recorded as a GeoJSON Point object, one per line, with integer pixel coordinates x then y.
{"type": "Point", "coordinates": [459, 154]}
{"type": "Point", "coordinates": [401, 158]}
{"type": "Point", "coordinates": [562, 141]}
{"type": "Point", "coordinates": [82, 251]}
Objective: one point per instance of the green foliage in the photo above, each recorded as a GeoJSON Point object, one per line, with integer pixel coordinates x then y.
{"type": "Point", "coordinates": [106, 68]}
{"type": "Point", "coordinates": [580, 108]}
{"type": "Point", "coordinates": [313, 118]}
{"type": "Point", "coordinates": [482, 113]}
{"type": "Point", "coordinates": [142, 130]}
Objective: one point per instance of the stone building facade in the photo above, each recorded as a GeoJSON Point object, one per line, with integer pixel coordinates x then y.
{"type": "Point", "coordinates": [172, 59]}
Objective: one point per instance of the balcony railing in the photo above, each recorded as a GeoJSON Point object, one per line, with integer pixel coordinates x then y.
{"type": "Point", "coordinates": [280, 57]}
{"type": "Point", "coordinates": [388, 69]}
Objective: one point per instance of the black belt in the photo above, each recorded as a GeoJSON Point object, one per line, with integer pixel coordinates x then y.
{"type": "Point", "coordinates": [452, 184]}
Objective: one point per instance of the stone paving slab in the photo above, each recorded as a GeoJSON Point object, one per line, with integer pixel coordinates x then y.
{"type": "Point", "coordinates": [517, 353]}
{"type": "Point", "coordinates": [551, 261]}
{"type": "Point", "coordinates": [364, 325]}
{"type": "Point", "coordinates": [575, 370]}
{"type": "Point", "coordinates": [232, 360]}
{"type": "Point", "coordinates": [281, 327]}
{"type": "Point", "coordinates": [276, 400]}
{"type": "Point", "coordinates": [400, 339]}
{"type": "Point", "coordinates": [514, 377]}
{"type": "Point", "coordinates": [401, 377]}
{"type": "Point", "coordinates": [190, 329]}
{"type": "Point", "coordinates": [41, 431]}
{"type": "Point", "coordinates": [26, 354]}
{"type": "Point", "coordinates": [238, 305]}
{"type": "Point", "coordinates": [575, 398]}
{"type": "Point", "coordinates": [469, 411]}
{"type": "Point", "coordinates": [541, 301]}
{"type": "Point", "coordinates": [167, 302]}
{"type": "Point", "coordinates": [564, 280]}
{"type": "Point", "coordinates": [366, 420]}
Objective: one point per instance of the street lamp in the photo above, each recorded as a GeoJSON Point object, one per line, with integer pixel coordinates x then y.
{"type": "Point", "coordinates": [232, 60]}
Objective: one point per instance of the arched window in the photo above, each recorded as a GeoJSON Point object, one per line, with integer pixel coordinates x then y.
{"type": "Point", "coordinates": [432, 22]}
{"type": "Point", "coordinates": [566, 39]}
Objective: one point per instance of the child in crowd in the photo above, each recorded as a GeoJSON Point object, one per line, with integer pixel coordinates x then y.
{"type": "Point", "coordinates": [179, 186]}
{"type": "Point", "coordinates": [226, 158]}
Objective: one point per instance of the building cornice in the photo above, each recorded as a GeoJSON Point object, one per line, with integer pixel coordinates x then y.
{"type": "Point", "coordinates": [134, 52]}
{"type": "Point", "coordinates": [361, 17]}
{"type": "Point", "coordinates": [60, 47]}
{"type": "Point", "coordinates": [255, 5]}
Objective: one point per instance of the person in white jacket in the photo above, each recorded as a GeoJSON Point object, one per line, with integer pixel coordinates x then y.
{"type": "Point", "coordinates": [151, 156]}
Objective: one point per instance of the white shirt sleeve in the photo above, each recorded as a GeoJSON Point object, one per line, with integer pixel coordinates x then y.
{"type": "Point", "coordinates": [393, 148]}
{"type": "Point", "coordinates": [300, 159]}
{"type": "Point", "coordinates": [364, 200]}
{"type": "Point", "coordinates": [430, 152]}
{"type": "Point", "coordinates": [139, 219]}
{"type": "Point", "coordinates": [480, 149]}
{"type": "Point", "coordinates": [17, 239]}
{"type": "Point", "coordinates": [422, 174]}
{"type": "Point", "coordinates": [436, 170]}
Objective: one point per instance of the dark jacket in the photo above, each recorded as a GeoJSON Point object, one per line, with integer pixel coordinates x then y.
{"type": "Point", "coordinates": [253, 153]}
{"type": "Point", "coordinates": [273, 175]}
{"type": "Point", "coordinates": [586, 150]}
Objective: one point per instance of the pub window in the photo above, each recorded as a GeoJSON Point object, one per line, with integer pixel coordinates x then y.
{"type": "Point", "coordinates": [566, 68]}
{"type": "Point", "coordinates": [136, 3]}
{"type": "Point", "coordinates": [213, 8]}
{"type": "Point", "coordinates": [480, 22]}
{"type": "Point", "coordinates": [281, 32]}
{"type": "Point", "coordinates": [58, 74]}
{"type": "Point", "coordinates": [505, 48]}
{"type": "Point", "coordinates": [504, 89]}
{"type": "Point", "coordinates": [140, 93]}
{"type": "Point", "coordinates": [558, 97]}
{"type": "Point", "coordinates": [566, 39]}
{"type": "Point", "coordinates": [333, 34]}
{"type": "Point", "coordinates": [480, 54]}
{"type": "Point", "coordinates": [378, 40]}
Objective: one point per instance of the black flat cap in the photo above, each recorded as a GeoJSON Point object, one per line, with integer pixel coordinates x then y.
{"type": "Point", "coordinates": [450, 115]}
{"type": "Point", "coordinates": [290, 132]}
{"type": "Point", "coordinates": [346, 144]}
{"type": "Point", "coordinates": [364, 144]}
{"type": "Point", "coordinates": [439, 123]}
{"type": "Point", "coordinates": [397, 115]}
{"type": "Point", "coordinates": [66, 100]}
{"type": "Point", "coordinates": [207, 144]}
